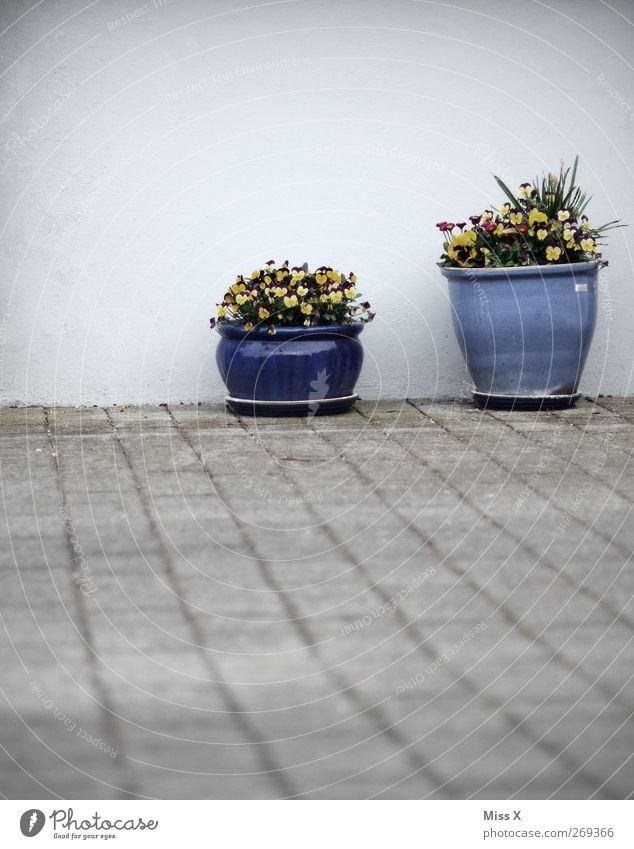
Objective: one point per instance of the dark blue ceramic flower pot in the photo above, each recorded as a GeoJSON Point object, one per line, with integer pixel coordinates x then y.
{"type": "Point", "coordinates": [299, 371]}
{"type": "Point", "coordinates": [525, 333]}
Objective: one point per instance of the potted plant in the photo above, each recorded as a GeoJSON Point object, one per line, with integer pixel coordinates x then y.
{"type": "Point", "coordinates": [523, 290]}
{"type": "Point", "coordinates": [289, 340]}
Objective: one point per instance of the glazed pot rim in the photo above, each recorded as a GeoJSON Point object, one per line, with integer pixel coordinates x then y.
{"type": "Point", "coordinates": [289, 331]}
{"type": "Point", "coordinates": [521, 270]}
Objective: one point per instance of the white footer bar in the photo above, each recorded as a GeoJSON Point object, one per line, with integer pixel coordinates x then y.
{"type": "Point", "coordinates": [311, 825]}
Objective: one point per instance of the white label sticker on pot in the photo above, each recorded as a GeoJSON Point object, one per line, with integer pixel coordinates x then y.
{"type": "Point", "coordinates": [581, 287]}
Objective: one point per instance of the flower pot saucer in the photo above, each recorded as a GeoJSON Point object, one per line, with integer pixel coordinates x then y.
{"type": "Point", "coordinates": [490, 401]}
{"type": "Point", "coordinates": [317, 407]}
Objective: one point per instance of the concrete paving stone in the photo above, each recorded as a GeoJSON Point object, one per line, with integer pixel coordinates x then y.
{"type": "Point", "coordinates": [202, 418]}
{"type": "Point", "coordinates": [73, 421]}
{"type": "Point", "coordinates": [351, 772]}
{"type": "Point", "coordinates": [276, 546]}
{"type": "Point", "coordinates": [226, 570]}
{"type": "Point", "coordinates": [20, 421]}
{"type": "Point", "coordinates": [38, 590]}
{"type": "Point", "coordinates": [27, 500]}
{"type": "Point", "coordinates": [526, 493]}
{"type": "Point", "coordinates": [173, 461]}
{"type": "Point", "coordinates": [286, 515]}
{"type": "Point", "coordinates": [49, 750]}
{"type": "Point", "coordinates": [43, 636]}
{"type": "Point", "coordinates": [206, 542]}
{"type": "Point", "coordinates": [47, 527]}
{"type": "Point", "coordinates": [322, 524]}
{"type": "Point", "coordinates": [621, 406]}
{"type": "Point", "coordinates": [163, 680]}
{"type": "Point", "coordinates": [263, 424]}
{"type": "Point", "coordinates": [66, 681]}
{"type": "Point", "coordinates": [139, 419]}
{"type": "Point", "coordinates": [35, 552]}
{"type": "Point", "coordinates": [213, 743]}
{"type": "Point", "coordinates": [482, 752]}
{"type": "Point", "coordinates": [175, 674]}
{"type": "Point", "coordinates": [230, 637]}
{"type": "Point", "coordinates": [243, 605]}
{"type": "Point", "coordinates": [168, 482]}
{"type": "Point", "coordinates": [159, 623]}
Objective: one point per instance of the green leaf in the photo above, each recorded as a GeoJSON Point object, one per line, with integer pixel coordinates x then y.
{"type": "Point", "coordinates": [507, 191]}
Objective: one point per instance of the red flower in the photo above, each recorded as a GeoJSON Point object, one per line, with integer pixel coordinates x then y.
{"type": "Point", "coordinates": [522, 228]}
{"type": "Point", "coordinates": [443, 226]}
{"type": "Point", "coordinates": [489, 226]}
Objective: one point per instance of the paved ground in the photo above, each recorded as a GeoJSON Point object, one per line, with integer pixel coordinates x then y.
{"type": "Point", "coordinates": [410, 600]}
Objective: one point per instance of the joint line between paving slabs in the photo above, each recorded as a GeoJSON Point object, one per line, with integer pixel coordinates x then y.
{"type": "Point", "coordinates": [611, 484]}
{"type": "Point", "coordinates": [555, 652]}
{"type": "Point", "coordinates": [344, 686]}
{"type": "Point", "coordinates": [109, 717]}
{"type": "Point", "coordinates": [580, 588]}
{"type": "Point", "coordinates": [262, 749]}
{"type": "Point", "coordinates": [511, 719]}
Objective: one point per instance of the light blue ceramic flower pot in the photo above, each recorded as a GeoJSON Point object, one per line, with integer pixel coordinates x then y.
{"type": "Point", "coordinates": [525, 332]}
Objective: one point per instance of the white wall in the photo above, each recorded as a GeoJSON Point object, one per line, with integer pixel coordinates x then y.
{"type": "Point", "coordinates": [147, 160]}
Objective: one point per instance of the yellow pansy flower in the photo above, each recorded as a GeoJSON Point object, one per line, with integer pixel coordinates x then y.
{"type": "Point", "coordinates": [238, 287]}
{"type": "Point", "coordinates": [350, 293]}
{"type": "Point", "coordinates": [255, 274]}
{"type": "Point", "coordinates": [242, 299]}
{"type": "Point", "coordinates": [323, 298]}
{"type": "Point", "coordinates": [336, 297]}
{"type": "Point", "coordinates": [281, 274]}
{"type": "Point", "coordinates": [306, 309]}
{"type": "Point", "coordinates": [563, 215]}
{"type": "Point", "coordinates": [553, 254]}
{"type": "Point", "coordinates": [321, 278]}
{"type": "Point", "coordinates": [248, 325]}
{"type": "Point", "coordinates": [290, 301]}
{"type": "Point", "coordinates": [461, 248]}
{"type": "Point", "coordinates": [353, 278]}
{"type": "Point", "coordinates": [301, 291]}
{"type": "Point", "coordinates": [537, 217]}
{"type": "Point", "coordinates": [263, 313]}
{"type": "Point", "coordinates": [221, 311]}
{"type": "Point", "coordinates": [515, 217]}
{"type": "Point", "coordinates": [279, 291]}
{"type": "Point", "coordinates": [587, 244]}
{"type": "Point", "coordinates": [541, 234]}
{"type": "Point", "coordinates": [334, 276]}
{"type": "Point", "coordinates": [505, 209]}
